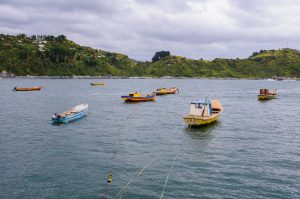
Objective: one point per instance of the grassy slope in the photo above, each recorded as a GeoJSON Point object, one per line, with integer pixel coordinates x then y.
{"type": "Point", "coordinates": [21, 55]}
{"type": "Point", "coordinates": [283, 62]}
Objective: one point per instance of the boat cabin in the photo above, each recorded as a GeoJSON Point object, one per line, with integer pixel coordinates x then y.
{"type": "Point", "coordinates": [162, 89]}
{"type": "Point", "coordinates": [136, 94]}
{"type": "Point", "coordinates": [201, 108]}
{"type": "Point", "coordinates": [265, 91]}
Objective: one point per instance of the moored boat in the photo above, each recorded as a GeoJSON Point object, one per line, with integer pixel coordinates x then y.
{"type": "Point", "coordinates": [137, 97]}
{"type": "Point", "coordinates": [165, 91]}
{"type": "Point", "coordinates": [266, 94]}
{"type": "Point", "coordinates": [73, 114]}
{"type": "Point", "coordinates": [35, 88]}
{"type": "Point", "coordinates": [203, 112]}
{"type": "Point", "coordinates": [97, 83]}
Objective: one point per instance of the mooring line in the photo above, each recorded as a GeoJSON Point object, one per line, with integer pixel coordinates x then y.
{"type": "Point", "coordinates": [116, 148]}
{"type": "Point", "coordinates": [124, 189]}
{"type": "Point", "coordinates": [166, 181]}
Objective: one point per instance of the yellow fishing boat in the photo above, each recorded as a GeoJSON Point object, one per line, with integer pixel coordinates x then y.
{"type": "Point", "coordinates": [165, 91]}
{"type": "Point", "coordinates": [266, 94]}
{"type": "Point", "coordinates": [137, 97]}
{"type": "Point", "coordinates": [203, 112]}
{"type": "Point", "coordinates": [97, 84]}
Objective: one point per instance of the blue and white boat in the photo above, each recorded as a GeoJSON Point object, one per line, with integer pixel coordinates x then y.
{"type": "Point", "coordinates": [73, 114]}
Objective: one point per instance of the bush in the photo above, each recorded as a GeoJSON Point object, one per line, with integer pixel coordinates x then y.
{"type": "Point", "coordinates": [159, 55]}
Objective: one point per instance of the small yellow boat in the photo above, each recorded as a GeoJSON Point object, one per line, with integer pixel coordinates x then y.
{"type": "Point", "coordinates": [203, 112]}
{"type": "Point", "coordinates": [97, 83]}
{"type": "Point", "coordinates": [266, 94]}
{"type": "Point", "coordinates": [137, 97]}
{"type": "Point", "coordinates": [165, 91]}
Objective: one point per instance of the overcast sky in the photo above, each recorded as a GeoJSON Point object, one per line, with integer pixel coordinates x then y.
{"type": "Point", "coordinates": [192, 28]}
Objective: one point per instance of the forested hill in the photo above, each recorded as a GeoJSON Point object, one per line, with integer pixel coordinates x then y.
{"type": "Point", "coordinates": [57, 56]}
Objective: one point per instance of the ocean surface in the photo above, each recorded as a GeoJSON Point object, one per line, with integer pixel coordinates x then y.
{"type": "Point", "coordinates": [253, 151]}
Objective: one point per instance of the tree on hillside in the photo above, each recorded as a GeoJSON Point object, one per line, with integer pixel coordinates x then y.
{"type": "Point", "coordinates": [262, 51]}
{"type": "Point", "coordinates": [58, 53]}
{"type": "Point", "coordinates": [254, 54]}
{"type": "Point", "coordinates": [159, 55]}
{"type": "Point", "coordinates": [61, 38]}
{"type": "Point", "coordinates": [49, 38]}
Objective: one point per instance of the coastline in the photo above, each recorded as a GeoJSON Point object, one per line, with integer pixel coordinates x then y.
{"type": "Point", "coordinates": [142, 77]}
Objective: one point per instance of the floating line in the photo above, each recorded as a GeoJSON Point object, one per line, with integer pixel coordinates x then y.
{"type": "Point", "coordinates": [162, 194]}
{"type": "Point", "coordinates": [124, 189]}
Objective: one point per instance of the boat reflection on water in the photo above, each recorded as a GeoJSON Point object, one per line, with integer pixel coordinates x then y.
{"type": "Point", "coordinates": [202, 132]}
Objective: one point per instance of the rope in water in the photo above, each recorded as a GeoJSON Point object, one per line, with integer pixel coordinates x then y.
{"type": "Point", "coordinates": [115, 151]}
{"type": "Point", "coordinates": [166, 181]}
{"type": "Point", "coordinates": [125, 188]}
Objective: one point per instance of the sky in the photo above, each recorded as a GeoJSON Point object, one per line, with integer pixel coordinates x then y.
{"type": "Point", "coordinates": [194, 29]}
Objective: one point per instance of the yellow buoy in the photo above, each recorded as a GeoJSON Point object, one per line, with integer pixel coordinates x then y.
{"type": "Point", "coordinates": [109, 178]}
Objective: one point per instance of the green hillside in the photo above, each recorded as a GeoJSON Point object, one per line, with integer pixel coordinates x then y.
{"type": "Point", "coordinates": [49, 55]}
{"type": "Point", "coordinates": [263, 64]}
{"type": "Point", "coordinates": [58, 56]}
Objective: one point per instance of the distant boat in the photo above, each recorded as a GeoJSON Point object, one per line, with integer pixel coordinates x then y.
{"type": "Point", "coordinates": [279, 78]}
{"type": "Point", "coordinates": [73, 114]}
{"type": "Point", "coordinates": [97, 83]}
{"type": "Point", "coordinates": [266, 94]}
{"type": "Point", "coordinates": [35, 88]}
{"type": "Point", "coordinates": [203, 112]}
{"type": "Point", "coordinates": [165, 91]}
{"type": "Point", "coordinates": [137, 97]}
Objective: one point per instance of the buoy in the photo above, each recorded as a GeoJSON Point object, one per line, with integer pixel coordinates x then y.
{"type": "Point", "coordinates": [109, 178]}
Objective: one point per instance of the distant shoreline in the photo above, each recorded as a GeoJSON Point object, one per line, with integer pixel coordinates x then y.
{"type": "Point", "coordinates": [123, 77]}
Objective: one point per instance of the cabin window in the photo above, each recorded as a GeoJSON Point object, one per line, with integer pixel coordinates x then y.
{"type": "Point", "coordinates": [198, 105]}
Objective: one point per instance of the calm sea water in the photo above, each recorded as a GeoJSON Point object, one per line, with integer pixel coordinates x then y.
{"type": "Point", "coordinates": [252, 152]}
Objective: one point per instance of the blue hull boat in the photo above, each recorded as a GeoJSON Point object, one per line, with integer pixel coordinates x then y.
{"type": "Point", "coordinates": [73, 114]}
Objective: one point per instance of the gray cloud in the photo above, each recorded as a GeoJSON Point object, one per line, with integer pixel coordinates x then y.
{"type": "Point", "coordinates": [191, 28]}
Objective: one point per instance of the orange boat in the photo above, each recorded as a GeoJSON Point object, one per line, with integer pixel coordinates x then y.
{"type": "Point", "coordinates": [165, 91]}
{"type": "Point", "coordinates": [137, 97]}
{"type": "Point", "coordinates": [35, 88]}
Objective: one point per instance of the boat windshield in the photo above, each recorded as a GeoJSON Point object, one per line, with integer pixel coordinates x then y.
{"type": "Point", "coordinates": [201, 103]}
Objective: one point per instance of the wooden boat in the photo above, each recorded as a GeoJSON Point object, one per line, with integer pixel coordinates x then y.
{"type": "Point", "coordinates": [73, 114]}
{"type": "Point", "coordinates": [266, 94]}
{"type": "Point", "coordinates": [137, 97]}
{"type": "Point", "coordinates": [203, 112]}
{"type": "Point", "coordinates": [97, 83]}
{"type": "Point", "coordinates": [165, 91]}
{"type": "Point", "coordinates": [35, 88]}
